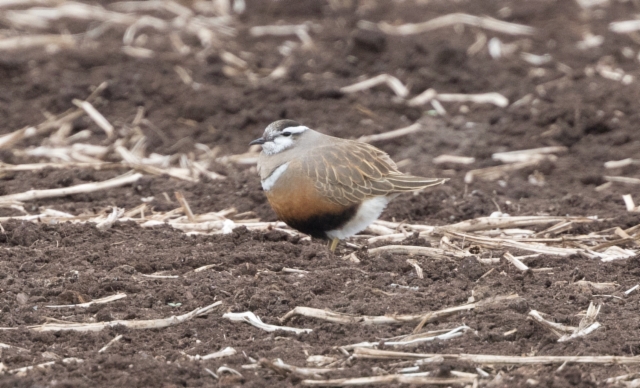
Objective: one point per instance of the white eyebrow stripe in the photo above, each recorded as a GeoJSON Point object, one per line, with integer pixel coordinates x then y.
{"type": "Point", "coordinates": [298, 129]}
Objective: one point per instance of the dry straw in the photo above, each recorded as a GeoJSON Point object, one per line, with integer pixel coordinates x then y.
{"type": "Point", "coordinates": [131, 324]}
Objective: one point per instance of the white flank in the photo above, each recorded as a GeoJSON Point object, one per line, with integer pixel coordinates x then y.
{"type": "Point", "coordinates": [268, 183]}
{"type": "Point", "coordinates": [368, 212]}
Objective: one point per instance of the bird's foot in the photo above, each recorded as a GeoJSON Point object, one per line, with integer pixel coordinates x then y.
{"type": "Point", "coordinates": [333, 245]}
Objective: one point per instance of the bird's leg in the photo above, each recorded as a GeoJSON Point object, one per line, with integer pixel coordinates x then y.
{"type": "Point", "coordinates": [333, 245]}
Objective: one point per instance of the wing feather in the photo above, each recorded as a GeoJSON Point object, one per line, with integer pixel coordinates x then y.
{"type": "Point", "coordinates": [347, 172]}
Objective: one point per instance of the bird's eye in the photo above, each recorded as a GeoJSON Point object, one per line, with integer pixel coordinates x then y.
{"type": "Point", "coordinates": [286, 133]}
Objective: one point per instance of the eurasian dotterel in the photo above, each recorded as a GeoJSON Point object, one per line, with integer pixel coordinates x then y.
{"type": "Point", "coordinates": [325, 186]}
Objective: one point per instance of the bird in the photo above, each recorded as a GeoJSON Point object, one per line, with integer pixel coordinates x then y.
{"type": "Point", "coordinates": [328, 187]}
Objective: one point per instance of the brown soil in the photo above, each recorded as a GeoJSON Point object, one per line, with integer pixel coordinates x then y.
{"type": "Point", "coordinates": [594, 117]}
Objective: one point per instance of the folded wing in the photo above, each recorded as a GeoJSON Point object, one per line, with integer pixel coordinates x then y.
{"type": "Point", "coordinates": [350, 172]}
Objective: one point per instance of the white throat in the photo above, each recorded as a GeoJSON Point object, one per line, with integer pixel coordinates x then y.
{"type": "Point", "coordinates": [267, 184]}
{"type": "Point", "coordinates": [277, 145]}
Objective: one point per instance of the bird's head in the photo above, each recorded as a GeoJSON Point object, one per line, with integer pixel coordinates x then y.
{"type": "Point", "coordinates": [280, 135]}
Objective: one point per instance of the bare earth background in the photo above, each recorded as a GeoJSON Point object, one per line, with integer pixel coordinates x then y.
{"type": "Point", "coordinates": [585, 97]}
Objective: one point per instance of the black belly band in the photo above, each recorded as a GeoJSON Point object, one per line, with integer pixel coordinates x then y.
{"type": "Point", "coordinates": [317, 226]}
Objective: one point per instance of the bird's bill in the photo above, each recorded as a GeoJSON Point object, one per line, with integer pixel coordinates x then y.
{"type": "Point", "coordinates": [260, 140]}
